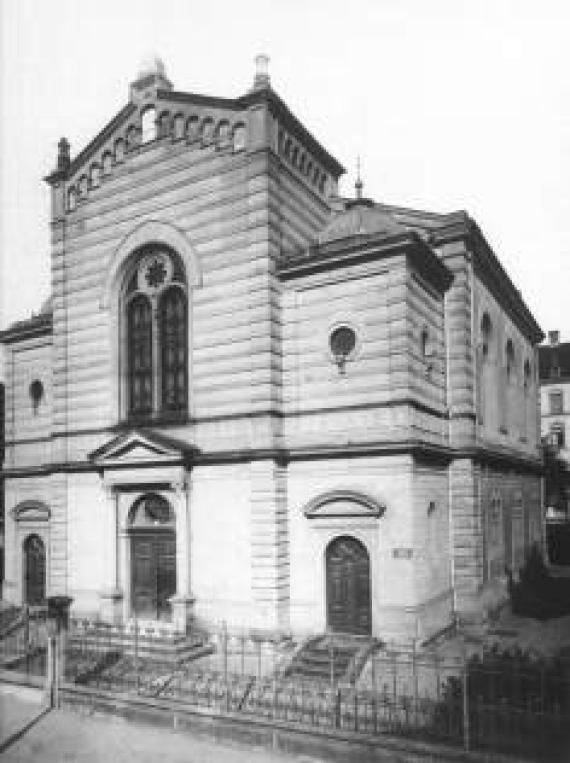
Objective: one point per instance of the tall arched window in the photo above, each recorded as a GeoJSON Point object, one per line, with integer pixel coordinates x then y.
{"type": "Point", "coordinates": [140, 355]}
{"type": "Point", "coordinates": [173, 348]}
{"type": "Point", "coordinates": [156, 349]}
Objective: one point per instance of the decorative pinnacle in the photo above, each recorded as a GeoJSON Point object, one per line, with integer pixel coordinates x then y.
{"type": "Point", "coordinates": [261, 71]}
{"type": "Point", "coordinates": [63, 158]}
{"type": "Point", "coordinates": [358, 186]}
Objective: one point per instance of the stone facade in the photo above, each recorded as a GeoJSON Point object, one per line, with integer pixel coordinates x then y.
{"type": "Point", "coordinates": [340, 380]}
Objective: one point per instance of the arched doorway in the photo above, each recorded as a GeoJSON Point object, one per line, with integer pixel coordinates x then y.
{"type": "Point", "coordinates": [348, 587]}
{"type": "Point", "coordinates": [153, 557]}
{"type": "Point", "coordinates": [34, 570]}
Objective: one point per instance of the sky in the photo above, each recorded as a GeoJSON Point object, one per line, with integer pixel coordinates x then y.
{"type": "Point", "coordinates": [450, 104]}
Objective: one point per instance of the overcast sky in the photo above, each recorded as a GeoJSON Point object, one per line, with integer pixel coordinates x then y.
{"type": "Point", "coordinates": [451, 104]}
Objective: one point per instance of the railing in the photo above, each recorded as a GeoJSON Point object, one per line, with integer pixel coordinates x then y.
{"type": "Point", "coordinates": [490, 703]}
{"type": "Point", "coordinates": [23, 642]}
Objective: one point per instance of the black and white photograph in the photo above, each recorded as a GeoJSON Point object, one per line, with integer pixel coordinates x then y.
{"type": "Point", "coordinates": [284, 381]}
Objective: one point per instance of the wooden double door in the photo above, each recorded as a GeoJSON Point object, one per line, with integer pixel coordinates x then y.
{"type": "Point", "coordinates": [153, 573]}
{"type": "Point", "coordinates": [348, 587]}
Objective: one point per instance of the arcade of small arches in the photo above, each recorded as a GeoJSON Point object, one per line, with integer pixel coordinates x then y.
{"type": "Point", "coordinates": [151, 126]}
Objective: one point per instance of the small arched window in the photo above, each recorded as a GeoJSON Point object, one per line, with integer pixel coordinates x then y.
{"type": "Point", "coordinates": [207, 131]}
{"type": "Point", "coordinates": [119, 150]}
{"type": "Point", "coordinates": [287, 149]}
{"type": "Point", "coordinates": [239, 137]}
{"type": "Point", "coordinates": [223, 134]}
{"type": "Point", "coordinates": [295, 156]}
{"type": "Point", "coordinates": [164, 125]}
{"type": "Point", "coordinates": [486, 330]}
{"type": "Point", "coordinates": [71, 199]}
{"type": "Point", "coordinates": [302, 163]}
{"type": "Point", "coordinates": [133, 136]}
{"type": "Point", "coordinates": [510, 360]}
{"type": "Point", "coordinates": [107, 163]}
{"type": "Point", "coordinates": [83, 187]}
{"type": "Point", "coordinates": [95, 175]}
{"type": "Point", "coordinates": [157, 337]}
{"type": "Point", "coordinates": [148, 124]}
{"type": "Point", "coordinates": [178, 127]}
{"type": "Point", "coordinates": [193, 129]}
{"type": "Point", "coordinates": [527, 375]}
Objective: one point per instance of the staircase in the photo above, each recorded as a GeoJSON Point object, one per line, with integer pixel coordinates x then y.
{"type": "Point", "coordinates": [330, 658]}
{"type": "Point", "coordinates": [156, 644]}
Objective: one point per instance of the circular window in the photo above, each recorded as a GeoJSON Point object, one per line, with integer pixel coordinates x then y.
{"type": "Point", "coordinates": [342, 342]}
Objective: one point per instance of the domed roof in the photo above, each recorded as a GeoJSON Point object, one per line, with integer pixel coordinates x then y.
{"type": "Point", "coordinates": [360, 218]}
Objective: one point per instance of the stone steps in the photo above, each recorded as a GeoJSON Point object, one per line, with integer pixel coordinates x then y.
{"type": "Point", "coordinates": [328, 658]}
{"type": "Point", "coordinates": [164, 646]}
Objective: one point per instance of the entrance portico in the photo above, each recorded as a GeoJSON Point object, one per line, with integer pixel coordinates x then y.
{"type": "Point", "coordinates": [147, 552]}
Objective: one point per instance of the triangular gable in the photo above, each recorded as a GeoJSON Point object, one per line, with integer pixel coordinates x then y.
{"type": "Point", "coordinates": [344, 503]}
{"type": "Point", "coordinates": [136, 447]}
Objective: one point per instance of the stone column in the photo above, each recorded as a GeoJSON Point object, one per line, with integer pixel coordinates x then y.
{"type": "Point", "coordinates": [182, 601]}
{"type": "Point", "coordinates": [111, 595]}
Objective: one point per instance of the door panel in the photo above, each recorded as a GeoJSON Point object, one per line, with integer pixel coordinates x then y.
{"type": "Point", "coordinates": [348, 587]}
{"type": "Point", "coordinates": [153, 565]}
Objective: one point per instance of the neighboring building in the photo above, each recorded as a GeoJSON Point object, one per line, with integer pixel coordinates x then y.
{"type": "Point", "coordinates": [253, 401]}
{"type": "Point", "coordinates": [554, 365]}
{"type": "Point", "coordinates": [2, 521]}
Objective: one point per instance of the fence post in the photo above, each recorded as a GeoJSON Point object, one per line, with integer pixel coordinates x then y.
{"type": "Point", "coordinates": [225, 649]}
{"type": "Point", "coordinates": [465, 684]}
{"type": "Point", "coordinates": [27, 628]}
{"type": "Point", "coordinates": [415, 682]}
{"type": "Point", "coordinates": [51, 682]}
{"type": "Point", "coordinates": [337, 719]}
{"type": "Point", "coordinates": [136, 656]}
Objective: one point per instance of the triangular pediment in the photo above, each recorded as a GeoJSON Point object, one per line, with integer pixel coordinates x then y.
{"type": "Point", "coordinates": [344, 504]}
{"type": "Point", "coordinates": [140, 448]}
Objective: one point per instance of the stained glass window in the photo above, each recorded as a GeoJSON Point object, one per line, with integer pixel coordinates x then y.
{"type": "Point", "coordinates": [173, 349]}
{"type": "Point", "coordinates": [140, 355]}
{"type": "Point", "coordinates": [157, 355]}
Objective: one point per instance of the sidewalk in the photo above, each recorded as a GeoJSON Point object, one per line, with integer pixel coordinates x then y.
{"type": "Point", "coordinates": [61, 735]}
{"type": "Point", "coordinates": [19, 707]}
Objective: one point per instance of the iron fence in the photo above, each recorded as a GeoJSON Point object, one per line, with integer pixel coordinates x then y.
{"type": "Point", "coordinates": [485, 702]}
{"type": "Point", "coordinates": [23, 641]}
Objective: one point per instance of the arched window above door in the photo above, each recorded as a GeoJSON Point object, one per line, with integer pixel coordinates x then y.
{"type": "Point", "coordinates": [156, 341]}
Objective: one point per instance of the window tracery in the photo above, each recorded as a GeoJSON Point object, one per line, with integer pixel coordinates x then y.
{"type": "Point", "coordinates": [156, 337]}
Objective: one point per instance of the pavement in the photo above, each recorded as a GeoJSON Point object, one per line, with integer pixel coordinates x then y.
{"type": "Point", "coordinates": [29, 732]}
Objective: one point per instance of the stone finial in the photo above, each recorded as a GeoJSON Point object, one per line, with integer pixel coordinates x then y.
{"type": "Point", "coordinates": [359, 185]}
{"type": "Point", "coordinates": [63, 158]}
{"type": "Point", "coordinates": [150, 78]}
{"type": "Point", "coordinates": [261, 72]}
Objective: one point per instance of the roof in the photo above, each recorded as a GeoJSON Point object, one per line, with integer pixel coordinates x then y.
{"type": "Point", "coordinates": [554, 362]}
{"type": "Point", "coordinates": [36, 325]}
{"type": "Point", "coordinates": [264, 95]}
{"type": "Point", "coordinates": [360, 217]}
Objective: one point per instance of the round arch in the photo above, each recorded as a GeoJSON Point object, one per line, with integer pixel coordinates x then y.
{"type": "Point", "coordinates": [348, 586]}
{"type": "Point", "coordinates": [150, 232]}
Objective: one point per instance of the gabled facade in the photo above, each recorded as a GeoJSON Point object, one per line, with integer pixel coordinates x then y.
{"type": "Point", "coordinates": [253, 401]}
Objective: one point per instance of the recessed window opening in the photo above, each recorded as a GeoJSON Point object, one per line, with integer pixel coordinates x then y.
{"type": "Point", "coordinates": [148, 124]}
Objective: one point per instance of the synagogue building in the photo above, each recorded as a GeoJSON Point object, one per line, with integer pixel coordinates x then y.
{"type": "Point", "coordinates": [250, 400]}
